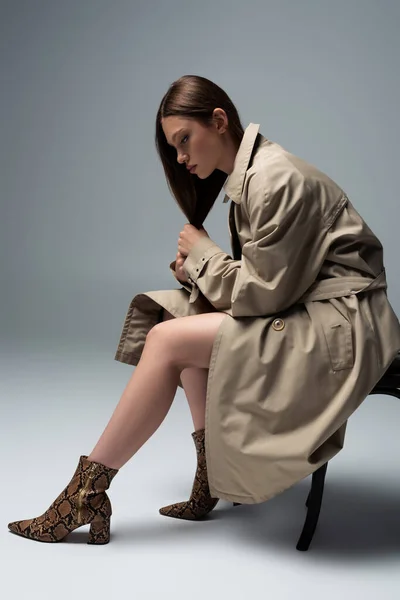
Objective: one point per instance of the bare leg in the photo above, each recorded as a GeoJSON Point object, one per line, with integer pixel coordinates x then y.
{"type": "Point", "coordinates": [194, 381]}
{"type": "Point", "coordinates": [171, 347]}
{"type": "Point", "coordinates": [143, 406]}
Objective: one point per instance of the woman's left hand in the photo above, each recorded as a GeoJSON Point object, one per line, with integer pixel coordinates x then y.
{"type": "Point", "coordinates": [188, 237]}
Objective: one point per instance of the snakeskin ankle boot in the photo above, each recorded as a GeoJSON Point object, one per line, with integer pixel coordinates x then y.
{"type": "Point", "coordinates": [200, 502]}
{"type": "Point", "coordinates": [82, 501]}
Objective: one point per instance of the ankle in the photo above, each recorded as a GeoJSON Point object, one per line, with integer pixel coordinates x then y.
{"type": "Point", "coordinates": [93, 457]}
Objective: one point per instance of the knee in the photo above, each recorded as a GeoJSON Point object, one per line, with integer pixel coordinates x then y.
{"type": "Point", "coordinates": [157, 336]}
{"type": "Point", "coordinates": [163, 342]}
{"type": "Point", "coordinates": [157, 332]}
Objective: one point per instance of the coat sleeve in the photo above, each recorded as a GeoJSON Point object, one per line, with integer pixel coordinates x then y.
{"type": "Point", "coordinates": [278, 263]}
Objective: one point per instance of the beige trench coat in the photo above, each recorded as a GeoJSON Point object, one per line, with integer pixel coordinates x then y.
{"type": "Point", "coordinates": [309, 328]}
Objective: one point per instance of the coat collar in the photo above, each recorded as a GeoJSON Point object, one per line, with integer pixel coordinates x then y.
{"type": "Point", "coordinates": [233, 185]}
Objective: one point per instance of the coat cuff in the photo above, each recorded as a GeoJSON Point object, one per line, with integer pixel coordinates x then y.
{"type": "Point", "coordinates": [198, 256]}
{"type": "Point", "coordinates": [189, 287]}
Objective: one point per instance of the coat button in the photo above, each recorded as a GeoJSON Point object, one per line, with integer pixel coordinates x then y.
{"type": "Point", "coordinates": [278, 324]}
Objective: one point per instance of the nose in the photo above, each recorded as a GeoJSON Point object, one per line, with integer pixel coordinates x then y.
{"type": "Point", "coordinates": [181, 159]}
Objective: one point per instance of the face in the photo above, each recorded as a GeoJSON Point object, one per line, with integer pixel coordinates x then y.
{"type": "Point", "coordinates": [195, 144]}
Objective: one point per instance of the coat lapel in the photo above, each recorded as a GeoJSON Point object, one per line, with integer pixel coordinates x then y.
{"type": "Point", "coordinates": [233, 185]}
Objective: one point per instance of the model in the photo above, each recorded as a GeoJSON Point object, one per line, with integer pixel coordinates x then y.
{"type": "Point", "coordinates": [275, 344]}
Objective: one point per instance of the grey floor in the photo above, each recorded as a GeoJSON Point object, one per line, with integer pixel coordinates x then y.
{"type": "Point", "coordinates": [55, 404]}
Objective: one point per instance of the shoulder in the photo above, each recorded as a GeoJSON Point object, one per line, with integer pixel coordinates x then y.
{"type": "Point", "coordinates": [272, 170]}
{"type": "Point", "coordinates": [276, 175]}
{"type": "Point", "coordinates": [273, 180]}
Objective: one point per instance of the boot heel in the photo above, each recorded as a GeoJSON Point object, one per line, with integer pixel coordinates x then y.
{"type": "Point", "coordinates": [99, 532]}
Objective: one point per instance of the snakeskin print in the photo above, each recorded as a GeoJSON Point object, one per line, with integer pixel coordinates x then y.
{"type": "Point", "coordinates": [82, 501]}
{"type": "Point", "coordinates": [200, 502]}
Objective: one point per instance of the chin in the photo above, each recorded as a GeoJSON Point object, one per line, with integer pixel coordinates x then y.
{"type": "Point", "coordinates": [201, 175]}
{"type": "Point", "coordinates": [204, 173]}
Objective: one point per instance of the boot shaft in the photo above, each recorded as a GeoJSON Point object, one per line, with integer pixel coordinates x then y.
{"type": "Point", "coordinates": [88, 486]}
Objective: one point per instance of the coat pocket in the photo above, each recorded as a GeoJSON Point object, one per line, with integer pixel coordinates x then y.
{"type": "Point", "coordinates": [331, 318]}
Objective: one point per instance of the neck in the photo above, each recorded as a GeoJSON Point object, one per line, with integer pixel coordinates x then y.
{"type": "Point", "coordinates": [228, 155]}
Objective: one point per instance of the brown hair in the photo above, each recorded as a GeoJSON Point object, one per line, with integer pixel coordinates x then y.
{"type": "Point", "coordinates": [194, 97]}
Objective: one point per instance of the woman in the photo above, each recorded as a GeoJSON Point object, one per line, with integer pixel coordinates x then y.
{"type": "Point", "coordinates": [275, 346]}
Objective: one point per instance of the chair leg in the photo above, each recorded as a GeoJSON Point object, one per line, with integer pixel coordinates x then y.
{"type": "Point", "coordinates": [313, 504]}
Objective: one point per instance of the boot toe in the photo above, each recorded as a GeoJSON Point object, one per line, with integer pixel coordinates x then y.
{"type": "Point", "coordinates": [172, 510]}
{"type": "Point", "coordinates": [20, 527]}
{"type": "Point", "coordinates": [165, 510]}
{"type": "Point", "coordinates": [181, 510]}
{"type": "Point", "coordinates": [14, 526]}
{"type": "Point", "coordinates": [28, 528]}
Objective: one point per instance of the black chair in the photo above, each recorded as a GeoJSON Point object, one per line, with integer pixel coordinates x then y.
{"type": "Point", "coordinates": [388, 384]}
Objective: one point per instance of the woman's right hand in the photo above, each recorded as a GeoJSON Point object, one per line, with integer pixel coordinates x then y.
{"type": "Point", "coordinates": [180, 273]}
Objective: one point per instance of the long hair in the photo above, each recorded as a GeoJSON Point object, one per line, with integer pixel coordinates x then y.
{"type": "Point", "coordinates": [194, 97]}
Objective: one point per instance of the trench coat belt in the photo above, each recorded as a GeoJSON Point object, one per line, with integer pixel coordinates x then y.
{"type": "Point", "coordinates": [336, 287]}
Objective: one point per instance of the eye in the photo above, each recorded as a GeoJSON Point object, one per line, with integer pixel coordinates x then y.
{"type": "Point", "coordinates": [182, 142]}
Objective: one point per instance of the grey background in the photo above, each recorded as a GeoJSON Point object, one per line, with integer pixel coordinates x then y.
{"type": "Point", "coordinates": [87, 222]}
